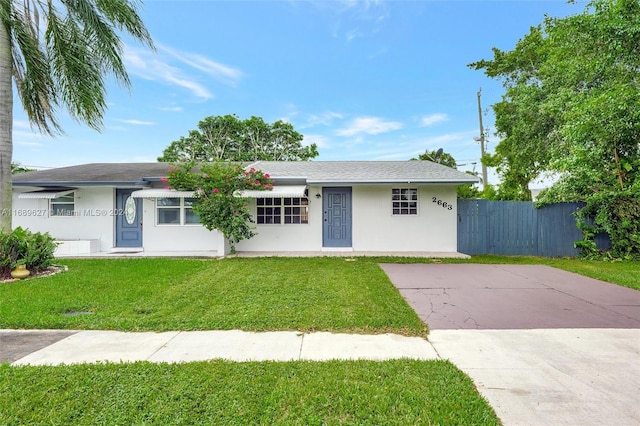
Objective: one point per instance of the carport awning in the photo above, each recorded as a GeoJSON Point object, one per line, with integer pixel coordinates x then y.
{"type": "Point", "coordinates": [294, 191]}
{"type": "Point", "coordinates": [162, 193]}
{"type": "Point", "coordinates": [46, 194]}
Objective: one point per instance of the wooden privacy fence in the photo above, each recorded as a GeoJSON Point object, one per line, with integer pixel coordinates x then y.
{"type": "Point", "coordinates": [516, 228]}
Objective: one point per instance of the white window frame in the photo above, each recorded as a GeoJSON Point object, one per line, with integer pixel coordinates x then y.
{"type": "Point", "coordinates": [287, 210]}
{"type": "Point", "coordinates": [404, 201]}
{"type": "Point", "coordinates": [63, 200]}
{"type": "Point", "coordinates": [182, 207]}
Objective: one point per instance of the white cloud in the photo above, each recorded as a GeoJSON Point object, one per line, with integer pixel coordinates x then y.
{"type": "Point", "coordinates": [23, 135]}
{"type": "Point", "coordinates": [145, 64]}
{"type": "Point", "coordinates": [352, 19]}
{"type": "Point", "coordinates": [171, 109]}
{"type": "Point", "coordinates": [430, 119]}
{"type": "Point", "coordinates": [322, 119]}
{"type": "Point", "coordinates": [369, 125]}
{"type": "Point", "coordinates": [168, 66]}
{"type": "Point", "coordinates": [321, 141]}
{"type": "Point", "coordinates": [221, 72]}
{"type": "Point", "coordinates": [21, 124]}
{"type": "Point", "coordinates": [139, 122]}
{"type": "Point", "coordinates": [353, 34]}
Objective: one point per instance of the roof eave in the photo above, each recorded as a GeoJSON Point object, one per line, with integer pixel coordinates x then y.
{"type": "Point", "coordinates": [46, 184]}
{"type": "Point", "coordinates": [390, 182]}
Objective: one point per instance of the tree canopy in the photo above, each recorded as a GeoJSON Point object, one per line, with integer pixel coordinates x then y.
{"type": "Point", "coordinates": [19, 168]}
{"type": "Point", "coordinates": [467, 190]}
{"type": "Point", "coordinates": [57, 54]}
{"type": "Point", "coordinates": [572, 108]}
{"type": "Point", "coordinates": [231, 139]}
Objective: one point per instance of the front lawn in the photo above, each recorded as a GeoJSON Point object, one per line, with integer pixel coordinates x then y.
{"type": "Point", "coordinates": [306, 294]}
{"type": "Point", "coordinates": [399, 392]}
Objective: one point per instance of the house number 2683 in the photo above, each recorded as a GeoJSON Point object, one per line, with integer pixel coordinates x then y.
{"type": "Point", "coordinates": [444, 204]}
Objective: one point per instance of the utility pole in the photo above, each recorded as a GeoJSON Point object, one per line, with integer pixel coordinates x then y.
{"type": "Point", "coordinates": [482, 140]}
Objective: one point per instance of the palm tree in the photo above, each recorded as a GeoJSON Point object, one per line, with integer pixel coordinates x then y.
{"type": "Point", "coordinates": [57, 53]}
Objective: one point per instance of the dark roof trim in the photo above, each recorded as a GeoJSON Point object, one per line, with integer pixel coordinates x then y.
{"type": "Point", "coordinates": [391, 182]}
{"type": "Point", "coordinates": [82, 183]}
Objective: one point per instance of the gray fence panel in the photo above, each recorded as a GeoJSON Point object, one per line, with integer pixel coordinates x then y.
{"type": "Point", "coordinates": [472, 225]}
{"type": "Point", "coordinates": [512, 228]}
{"type": "Point", "coordinates": [557, 230]}
{"type": "Point", "coordinates": [515, 228]}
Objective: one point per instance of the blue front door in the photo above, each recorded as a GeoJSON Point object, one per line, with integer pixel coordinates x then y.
{"type": "Point", "coordinates": [128, 219]}
{"type": "Point", "coordinates": [336, 230]}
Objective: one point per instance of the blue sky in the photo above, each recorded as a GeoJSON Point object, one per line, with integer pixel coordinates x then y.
{"type": "Point", "coordinates": [363, 79]}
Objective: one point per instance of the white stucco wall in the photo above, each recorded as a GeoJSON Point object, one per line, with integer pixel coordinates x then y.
{"type": "Point", "coordinates": [375, 228]}
{"type": "Point", "coordinates": [91, 221]}
{"type": "Point", "coordinates": [291, 237]}
{"type": "Point", "coordinates": [174, 237]}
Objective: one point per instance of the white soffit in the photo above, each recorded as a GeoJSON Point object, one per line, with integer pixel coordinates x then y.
{"type": "Point", "coordinates": [293, 191]}
{"type": "Point", "coordinates": [162, 193]}
{"type": "Point", "coordinates": [45, 195]}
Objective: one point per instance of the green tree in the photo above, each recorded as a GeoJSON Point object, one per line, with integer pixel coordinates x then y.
{"type": "Point", "coordinates": [572, 107]}
{"type": "Point", "coordinates": [468, 190]}
{"type": "Point", "coordinates": [62, 64]}
{"type": "Point", "coordinates": [19, 168]}
{"type": "Point", "coordinates": [439, 157]}
{"type": "Point", "coordinates": [231, 139]}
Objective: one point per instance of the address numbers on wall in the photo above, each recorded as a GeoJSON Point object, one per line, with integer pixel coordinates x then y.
{"type": "Point", "coordinates": [441, 203]}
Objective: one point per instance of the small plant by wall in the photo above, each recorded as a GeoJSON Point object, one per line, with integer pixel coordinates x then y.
{"type": "Point", "coordinates": [34, 249]}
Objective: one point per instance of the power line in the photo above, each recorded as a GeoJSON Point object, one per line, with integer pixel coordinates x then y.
{"type": "Point", "coordinates": [482, 139]}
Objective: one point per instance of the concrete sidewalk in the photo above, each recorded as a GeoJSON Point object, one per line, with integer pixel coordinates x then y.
{"type": "Point", "coordinates": [530, 377]}
{"type": "Point", "coordinates": [561, 377]}
{"type": "Point", "coordinates": [234, 345]}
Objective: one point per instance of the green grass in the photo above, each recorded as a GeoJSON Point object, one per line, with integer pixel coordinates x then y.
{"type": "Point", "coordinates": [399, 392]}
{"type": "Point", "coordinates": [253, 294]}
{"type": "Point", "coordinates": [306, 294]}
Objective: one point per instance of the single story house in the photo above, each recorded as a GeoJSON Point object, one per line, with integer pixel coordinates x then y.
{"type": "Point", "coordinates": [315, 206]}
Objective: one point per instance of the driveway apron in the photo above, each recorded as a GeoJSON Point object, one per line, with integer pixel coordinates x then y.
{"type": "Point", "coordinates": [544, 346]}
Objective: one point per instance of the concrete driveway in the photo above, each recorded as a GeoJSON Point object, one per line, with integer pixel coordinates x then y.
{"type": "Point", "coordinates": [543, 346]}
{"type": "Point", "coordinates": [453, 296]}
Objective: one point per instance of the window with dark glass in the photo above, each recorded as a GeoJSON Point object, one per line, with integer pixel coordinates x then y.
{"type": "Point", "coordinates": [284, 210]}
{"type": "Point", "coordinates": [64, 205]}
{"type": "Point", "coordinates": [404, 201]}
{"type": "Point", "coordinates": [176, 211]}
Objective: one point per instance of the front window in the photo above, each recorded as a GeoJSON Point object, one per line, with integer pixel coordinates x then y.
{"type": "Point", "coordinates": [64, 205]}
{"type": "Point", "coordinates": [176, 211]}
{"type": "Point", "coordinates": [285, 210]}
{"type": "Point", "coordinates": [404, 201]}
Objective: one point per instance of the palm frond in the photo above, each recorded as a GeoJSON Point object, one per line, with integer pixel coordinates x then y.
{"type": "Point", "coordinates": [66, 65]}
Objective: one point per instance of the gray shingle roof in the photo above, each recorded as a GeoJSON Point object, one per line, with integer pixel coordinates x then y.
{"type": "Point", "coordinates": [354, 172]}
{"type": "Point", "coordinates": [93, 174]}
{"type": "Point", "coordinates": [311, 172]}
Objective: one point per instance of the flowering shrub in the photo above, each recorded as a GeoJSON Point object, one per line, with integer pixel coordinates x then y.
{"type": "Point", "coordinates": [217, 186]}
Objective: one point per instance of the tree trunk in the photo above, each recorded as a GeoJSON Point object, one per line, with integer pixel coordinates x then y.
{"type": "Point", "coordinates": [6, 129]}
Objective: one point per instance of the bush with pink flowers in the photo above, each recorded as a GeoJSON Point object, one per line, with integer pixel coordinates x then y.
{"type": "Point", "coordinates": [218, 187]}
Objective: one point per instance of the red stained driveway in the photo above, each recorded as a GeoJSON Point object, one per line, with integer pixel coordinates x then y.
{"type": "Point", "coordinates": [479, 296]}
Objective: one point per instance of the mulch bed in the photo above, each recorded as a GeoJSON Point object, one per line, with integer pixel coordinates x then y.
{"type": "Point", "coordinates": [52, 270]}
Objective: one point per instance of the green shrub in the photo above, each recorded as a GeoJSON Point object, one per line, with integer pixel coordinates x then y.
{"type": "Point", "coordinates": [35, 249]}
{"type": "Point", "coordinates": [618, 214]}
